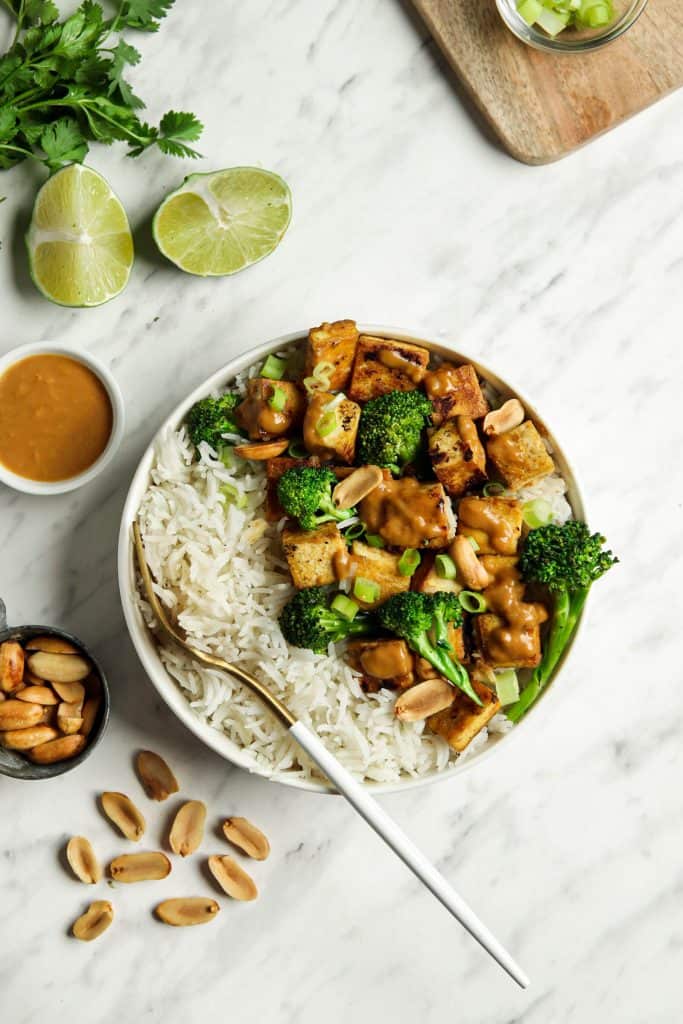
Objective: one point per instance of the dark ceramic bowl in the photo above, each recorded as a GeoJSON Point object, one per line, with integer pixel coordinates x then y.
{"type": "Point", "coordinates": [12, 762]}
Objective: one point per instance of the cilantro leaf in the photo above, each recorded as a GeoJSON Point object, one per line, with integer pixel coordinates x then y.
{"type": "Point", "coordinates": [124, 54]}
{"type": "Point", "coordinates": [142, 14]}
{"type": "Point", "coordinates": [40, 12]}
{"type": "Point", "coordinates": [63, 143]}
{"type": "Point", "coordinates": [8, 123]}
{"type": "Point", "coordinates": [176, 129]}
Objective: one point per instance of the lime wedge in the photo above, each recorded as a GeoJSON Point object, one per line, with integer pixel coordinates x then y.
{"type": "Point", "coordinates": [79, 243]}
{"type": "Point", "coordinates": [219, 223]}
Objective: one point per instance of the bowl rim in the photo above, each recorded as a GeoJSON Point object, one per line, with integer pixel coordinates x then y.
{"type": "Point", "coordinates": [548, 44]}
{"type": "Point", "coordinates": [104, 374]}
{"type": "Point", "coordinates": [141, 638]}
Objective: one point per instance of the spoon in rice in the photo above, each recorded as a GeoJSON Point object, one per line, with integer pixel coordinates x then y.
{"type": "Point", "coordinates": [345, 784]}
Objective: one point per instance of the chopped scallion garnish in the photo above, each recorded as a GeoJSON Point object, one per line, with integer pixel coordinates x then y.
{"type": "Point", "coordinates": [409, 561]}
{"type": "Point", "coordinates": [493, 489]}
{"type": "Point", "coordinates": [445, 567]}
{"type": "Point", "coordinates": [326, 425]}
{"type": "Point", "coordinates": [472, 602]}
{"type": "Point", "coordinates": [345, 607]}
{"type": "Point", "coordinates": [278, 399]}
{"type": "Point", "coordinates": [296, 450]}
{"type": "Point", "coordinates": [536, 513]}
{"type": "Point", "coordinates": [233, 496]}
{"type": "Point", "coordinates": [375, 541]}
{"type": "Point", "coordinates": [366, 590]}
{"type": "Point", "coordinates": [474, 543]}
{"type": "Point", "coordinates": [553, 16]}
{"type": "Point", "coordinates": [274, 368]}
{"type": "Point", "coordinates": [507, 686]}
{"type": "Point", "coordinates": [354, 531]}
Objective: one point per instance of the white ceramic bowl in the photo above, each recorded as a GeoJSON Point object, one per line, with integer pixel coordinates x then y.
{"type": "Point", "coordinates": [144, 643]}
{"type": "Point", "coordinates": [22, 483]}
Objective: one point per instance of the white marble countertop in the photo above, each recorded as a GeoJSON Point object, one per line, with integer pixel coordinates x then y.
{"type": "Point", "coordinates": [568, 279]}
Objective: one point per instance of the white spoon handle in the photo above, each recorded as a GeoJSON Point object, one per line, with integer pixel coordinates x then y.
{"type": "Point", "coordinates": [394, 837]}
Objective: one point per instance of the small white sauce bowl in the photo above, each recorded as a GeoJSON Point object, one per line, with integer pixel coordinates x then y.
{"type": "Point", "coordinates": [25, 484]}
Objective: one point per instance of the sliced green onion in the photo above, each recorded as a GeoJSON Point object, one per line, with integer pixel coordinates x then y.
{"type": "Point", "coordinates": [472, 602]}
{"type": "Point", "coordinates": [313, 384]}
{"type": "Point", "coordinates": [355, 531]}
{"type": "Point", "coordinates": [375, 541]}
{"type": "Point", "coordinates": [553, 16]}
{"type": "Point", "coordinates": [227, 456]}
{"type": "Point", "coordinates": [409, 561]}
{"type": "Point", "coordinates": [445, 567]}
{"type": "Point", "coordinates": [297, 450]}
{"type": "Point", "coordinates": [278, 399]}
{"type": "Point", "coordinates": [274, 368]}
{"type": "Point", "coordinates": [552, 22]}
{"type": "Point", "coordinates": [366, 590]}
{"type": "Point", "coordinates": [323, 370]}
{"type": "Point", "coordinates": [345, 607]}
{"type": "Point", "coordinates": [326, 425]}
{"type": "Point", "coordinates": [529, 10]}
{"type": "Point", "coordinates": [233, 496]}
{"type": "Point", "coordinates": [493, 489]}
{"type": "Point", "coordinates": [538, 512]}
{"type": "Point", "coordinates": [473, 541]}
{"type": "Point", "coordinates": [507, 686]}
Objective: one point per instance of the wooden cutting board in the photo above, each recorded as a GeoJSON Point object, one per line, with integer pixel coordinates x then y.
{"type": "Point", "coordinates": [541, 106]}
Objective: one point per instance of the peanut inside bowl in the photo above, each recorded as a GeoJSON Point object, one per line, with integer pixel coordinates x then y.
{"type": "Point", "coordinates": [54, 701]}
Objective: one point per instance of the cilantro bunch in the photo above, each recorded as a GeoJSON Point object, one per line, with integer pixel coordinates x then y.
{"type": "Point", "coordinates": [62, 85]}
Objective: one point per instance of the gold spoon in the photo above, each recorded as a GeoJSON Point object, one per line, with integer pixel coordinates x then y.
{"type": "Point", "coordinates": [342, 780]}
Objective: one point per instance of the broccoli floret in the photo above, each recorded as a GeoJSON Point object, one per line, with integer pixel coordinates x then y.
{"type": "Point", "coordinates": [308, 621]}
{"type": "Point", "coordinates": [567, 559]}
{"type": "Point", "coordinates": [390, 428]}
{"type": "Point", "coordinates": [209, 418]}
{"type": "Point", "coordinates": [412, 616]}
{"type": "Point", "coordinates": [305, 494]}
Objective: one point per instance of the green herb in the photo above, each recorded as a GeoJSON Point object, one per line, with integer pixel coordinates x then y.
{"type": "Point", "coordinates": [472, 602]}
{"type": "Point", "coordinates": [345, 607]}
{"type": "Point", "coordinates": [62, 85]}
{"type": "Point", "coordinates": [274, 368]}
{"type": "Point", "coordinates": [375, 541]}
{"type": "Point", "coordinates": [365, 590]}
{"type": "Point", "coordinates": [445, 567]}
{"type": "Point", "coordinates": [278, 399]}
{"type": "Point", "coordinates": [408, 562]}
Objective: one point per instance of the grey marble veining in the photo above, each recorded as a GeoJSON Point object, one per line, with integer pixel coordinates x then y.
{"type": "Point", "coordinates": [567, 279]}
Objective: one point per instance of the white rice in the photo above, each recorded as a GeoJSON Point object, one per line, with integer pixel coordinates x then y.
{"type": "Point", "coordinates": [220, 571]}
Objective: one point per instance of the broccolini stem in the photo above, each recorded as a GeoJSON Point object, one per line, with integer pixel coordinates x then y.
{"type": "Point", "coordinates": [447, 665]}
{"type": "Point", "coordinates": [566, 614]}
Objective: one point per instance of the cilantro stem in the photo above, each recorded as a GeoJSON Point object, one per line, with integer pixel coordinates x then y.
{"type": "Point", "coordinates": [16, 149]}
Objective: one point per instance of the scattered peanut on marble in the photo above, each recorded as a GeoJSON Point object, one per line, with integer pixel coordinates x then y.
{"type": "Point", "coordinates": [123, 813]}
{"type": "Point", "coordinates": [156, 777]}
{"type": "Point", "coordinates": [82, 860]}
{"type": "Point", "coordinates": [250, 839]}
{"type": "Point", "coordinates": [187, 910]}
{"type": "Point", "coordinates": [94, 921]}
{"type": "Point", "coordinates": [187, 830]}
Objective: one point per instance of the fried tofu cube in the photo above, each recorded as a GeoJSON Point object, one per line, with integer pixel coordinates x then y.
{"type": "Point", "coordinates": [519, 456]}
{"type": "Point", "coordinates": [409, 514]}
{"type": "Point", "coordinates": [383, 365]}
{"type": "Point", "coordinates": [274, 470]}
{"type": "Point", "coordinates": [458, 456]}
{"type": "Point", "coordinates": [257, 417]}
{"type": "Point", "coordinates": [461, 722]}
{"type": "Point", "coordinates": [340, 443]}
{"type": "Point", "coordinates": [381, 567]}
{"type": "Point", "coordinates": [336, 344]}
{"type": "Point", "coordinates": [313, 556]}
{"type": "Point", "coordinates": [381, 659]}
{"type": "Point", "coordinates": [455, 391]}
{"type": "Point", "coordinates": [492, 636]}
{"type": "Point", "coordinates": [427, 581]}
{"type": "Point", "coordinates": [495, 523]}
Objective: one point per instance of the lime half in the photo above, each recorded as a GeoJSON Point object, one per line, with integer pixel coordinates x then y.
{"type": "Point", "coordinates": [79, 243]}
{"type": "Point", "coordinates": [219, 223]}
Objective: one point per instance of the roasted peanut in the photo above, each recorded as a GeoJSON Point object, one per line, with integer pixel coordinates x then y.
{"type": "Point", "coordinates": [187, 911]}
{"type": "Point", "coordinates": [17, 714]}
{"type": "Point", "coordinates": [356, 486]}
{"type": "Point", "coordinates": [471, 573]}
{"type": "Point", "coordinates": [11, 666]}
{"type": "Point", "coordinates": [70, 693]}
{"type": "Point", "coordinates": [250, 839]}
{"type": "Point", "coordinates": [260, 451]}
{"type": "Point", "coordinates": [51, 645]}
{"type": "Point", "coordinates": [140, 867]}
{"type": "Point", "coordinates": [155, 775]}
{"type": "Point", "coordinates": [96, 920]}
{"type": "Point", "coordinates": [26, 739]}
{"type": "Point", "coordinates": [57, 750]}
{"type": "Point", "coordinates": [90, 710]}
{"type": "Point", "coordinates": [82, 860]}
{"type": "Point", "coordinates": [509, 416]}
{"type": "Point", "coordinates": [123, 813]}
{"type": "Point", "coordinates": [38, 695]}
{"type": "Point", "coordinates": [187, 830]}
{"type": "Point", "coordinates": [423, 700]}
{"type": "Point", "coordinates": [69, 718]}
{"type": "Point", "coordinates": [233, 879]}
{"type": "Point", "coordinates": [59, 668]}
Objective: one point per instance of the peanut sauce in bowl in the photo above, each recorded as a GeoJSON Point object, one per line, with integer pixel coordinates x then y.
{"type": "Point", "coordinates": [61, 418]}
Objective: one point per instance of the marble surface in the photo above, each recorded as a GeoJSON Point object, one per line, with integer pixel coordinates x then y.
{"type": "Point", "coordinates": [567, 279]}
